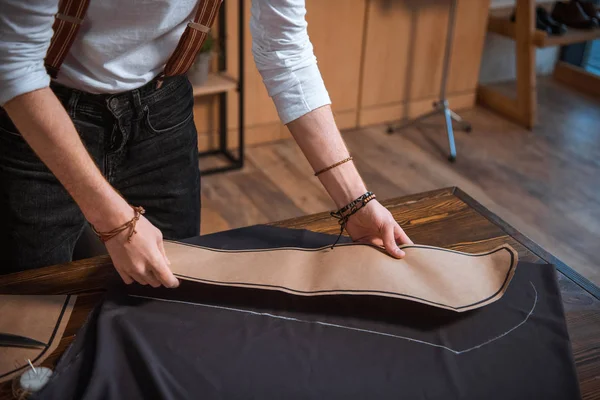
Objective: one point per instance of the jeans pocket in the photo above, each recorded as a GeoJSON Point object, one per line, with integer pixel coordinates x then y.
{"type": "Point", "coordinates": [160, 123]}
{"type": "Point", "coordinates": [172, 107]}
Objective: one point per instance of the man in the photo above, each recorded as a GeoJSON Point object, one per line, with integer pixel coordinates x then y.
{"type": "Point", "coordinates": [105, 136]}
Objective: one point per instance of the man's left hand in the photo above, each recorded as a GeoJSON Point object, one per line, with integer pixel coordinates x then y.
{"type": "Point", "coordinates": [374, 224]}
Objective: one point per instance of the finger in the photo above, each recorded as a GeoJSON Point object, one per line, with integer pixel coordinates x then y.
{"type": "Point", "coordinates": [125, 277]}
{"type": "Point", "coordinates": [401, 236]}
{"type": "Point", "coordinates": [389, 241]}
{"type": "Point", "coordinates": [139, 277]}
{"type": "Point", "coordinates": [161, 246]}
{"type": "Point", "coordinates": [164, 274]}
{"type": "Point", "coordinates": [375, 241]}
{"type": "Point", "coordinates": [150, 278]}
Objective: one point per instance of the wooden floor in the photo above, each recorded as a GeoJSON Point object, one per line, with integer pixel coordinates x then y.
{"type": "Point", "coordinates": [545, 183]}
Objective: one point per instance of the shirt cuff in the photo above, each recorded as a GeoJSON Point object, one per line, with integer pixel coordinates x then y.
{"type": "Point", "coordinates": [11, 88]}
{"type": "Point", "coordinates": [305, 95]}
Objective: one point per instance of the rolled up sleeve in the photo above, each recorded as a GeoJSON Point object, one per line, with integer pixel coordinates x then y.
{"type": "Point", "coordinates": [25, 33]}
{"type": "Point", "coordinates": [285, 59]}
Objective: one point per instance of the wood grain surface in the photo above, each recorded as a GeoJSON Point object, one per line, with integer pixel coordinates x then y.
{"type": "Point", "coordinates": [447, 218]}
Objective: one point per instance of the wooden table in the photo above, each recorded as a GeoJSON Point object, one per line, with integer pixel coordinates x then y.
{"type": "Point", "coordinates": [446, 218]}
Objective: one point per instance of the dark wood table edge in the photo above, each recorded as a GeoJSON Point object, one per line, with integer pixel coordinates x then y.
{"type": "Point", "coordinates": [97, 265]}
{"type": "Point", "coordinates": [569, 272]}
{"type": "Point", "coordinates": [393, 202]}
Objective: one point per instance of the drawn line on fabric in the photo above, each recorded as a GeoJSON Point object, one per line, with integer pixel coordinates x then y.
{"type": "Point", "coordinates": [360, 329]}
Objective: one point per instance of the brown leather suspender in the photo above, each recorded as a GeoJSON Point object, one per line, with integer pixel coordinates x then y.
{"type": "Point", "coordinates": [72, 12]}
{"type": "Point", "coordinates": [193, 37]}
{"type": "Point", "coordinates": [66, 25]}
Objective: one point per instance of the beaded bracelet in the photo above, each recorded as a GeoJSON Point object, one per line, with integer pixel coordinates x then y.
{"type": "Point", "coordinates": [344, 213]}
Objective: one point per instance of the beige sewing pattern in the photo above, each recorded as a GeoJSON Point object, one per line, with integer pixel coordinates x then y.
{"type": "Point", "coordinates": [41, 318]}
{"type": "Point", "coordinates": [439, 277]}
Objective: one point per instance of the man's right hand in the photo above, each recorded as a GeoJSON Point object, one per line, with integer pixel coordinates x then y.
{"type": "Point", "coordinates": [143, 259]}
{"type": "Point", "coordinates": [46, 126]}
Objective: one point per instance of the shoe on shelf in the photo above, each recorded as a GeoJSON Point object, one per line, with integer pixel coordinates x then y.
{"type": "Point", "coordinates": [539, 24]}
{"type": "Point", "coordinates": [591, 10]}
{"type": "Point", "coordinates": [572, 15]}
{"type": "Point", "coordinates": [556, 27]}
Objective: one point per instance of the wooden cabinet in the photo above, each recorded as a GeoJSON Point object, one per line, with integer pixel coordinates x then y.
{"type": "Point", "coordinates": [381, 60]}
{"type": "Point", "coordinates": [403, 57]}
{"type": "Point", "coordinates": [336, 29]}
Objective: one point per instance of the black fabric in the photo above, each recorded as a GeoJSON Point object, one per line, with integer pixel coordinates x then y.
{"type": "Point", "coordinates": [230, 345]}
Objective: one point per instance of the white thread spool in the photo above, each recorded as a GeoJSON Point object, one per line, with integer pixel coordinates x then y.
{"type": "Point", "coordinates": [35, 379]}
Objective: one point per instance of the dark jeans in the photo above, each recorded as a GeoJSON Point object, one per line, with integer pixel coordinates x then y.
{"type": "Point", "coordinates": [144, 141]}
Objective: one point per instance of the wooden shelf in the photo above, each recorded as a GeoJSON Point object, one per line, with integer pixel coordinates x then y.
{"type": "Point", "coordinates": [216, 83]}
{"type": "Point", "coordinates": [502, 25]}
{"type": "Point", "coordinates": [523, 107]}
{"type": "Point", "coordinates": [572, 36]}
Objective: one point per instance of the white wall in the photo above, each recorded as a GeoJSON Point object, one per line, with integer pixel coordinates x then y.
{"type": "Point", "coordinates": [498, 60]}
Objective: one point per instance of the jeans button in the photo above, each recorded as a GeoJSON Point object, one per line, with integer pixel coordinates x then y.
{"type": "Point", "coordinates": [114, 103]}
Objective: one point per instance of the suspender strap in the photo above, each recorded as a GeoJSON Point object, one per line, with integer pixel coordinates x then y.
{"type": "Point", "coordinates": [66, 25]}
{"type": "Point", "coordinates": [193, 37]}
{"type": "Point", "coordinates": [70, 16]}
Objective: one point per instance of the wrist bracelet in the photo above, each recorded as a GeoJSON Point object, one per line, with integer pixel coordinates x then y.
{"type": "Point", "coordinates": [360, 202]}
{"type": "Point", "coordinates": [332, 166]}
{"type": "Point", "coordinates": [106, 236]}
{"type": "Point", "coordinates": [344, 213]}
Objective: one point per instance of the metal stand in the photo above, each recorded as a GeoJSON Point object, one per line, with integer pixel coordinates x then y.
{"type": "Point", "coordinates": [441, 106]}
{"type": "Point", "coordinates": [235, 162]}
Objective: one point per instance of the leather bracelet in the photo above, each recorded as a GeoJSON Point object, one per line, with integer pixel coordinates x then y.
{"type": "Point", "coordinates": [332, 166]}
{"type": "Point", "coordinates": [344, 213]}
{"type": "Point", "coordinates": [361, 201]}
{"type": "Point", "coordinates": [106, 236]}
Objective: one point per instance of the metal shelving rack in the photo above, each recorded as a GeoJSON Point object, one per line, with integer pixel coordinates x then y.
{"type": "Point", "coordinates": [222, 84]}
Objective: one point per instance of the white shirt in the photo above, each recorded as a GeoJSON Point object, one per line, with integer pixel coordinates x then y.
{"type": "Point", "coordinates": [124, 44]}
